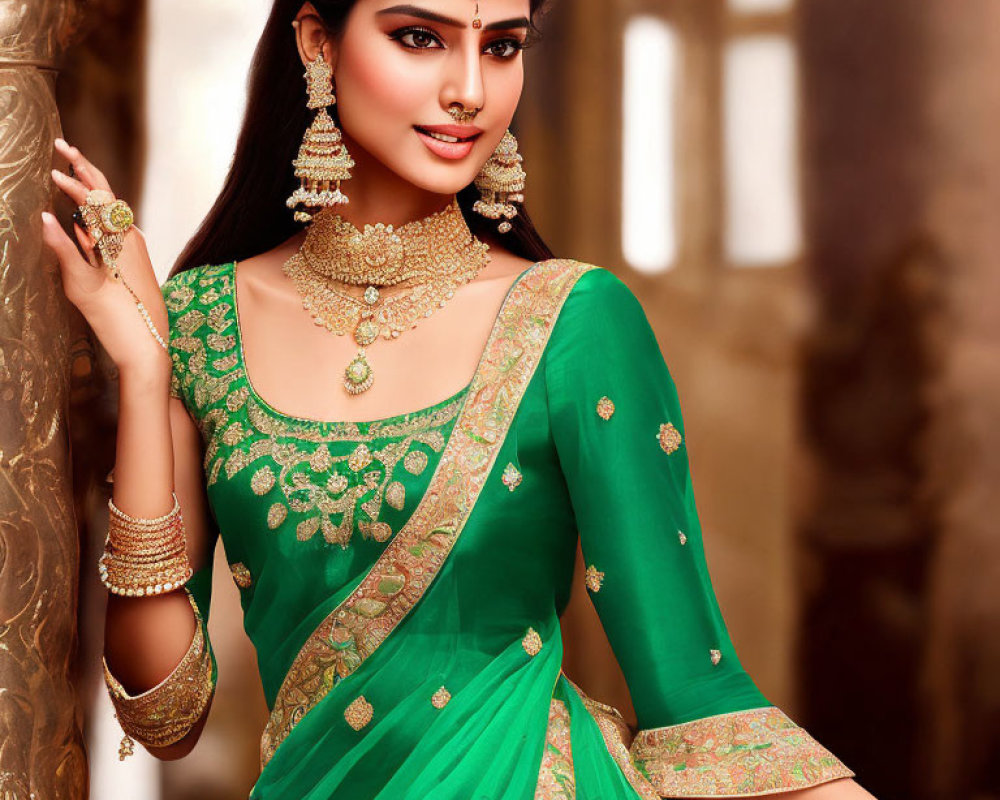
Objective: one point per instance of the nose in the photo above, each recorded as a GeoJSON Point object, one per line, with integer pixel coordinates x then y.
{"type": "Point", "coordinates": [464, 83]}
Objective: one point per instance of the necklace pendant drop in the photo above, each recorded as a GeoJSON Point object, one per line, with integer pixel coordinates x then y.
{"type": "Point", "coordinates": [359, 375]}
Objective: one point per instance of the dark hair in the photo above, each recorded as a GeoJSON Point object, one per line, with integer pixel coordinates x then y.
{"type": "Point", "coordinates": [249, 216]}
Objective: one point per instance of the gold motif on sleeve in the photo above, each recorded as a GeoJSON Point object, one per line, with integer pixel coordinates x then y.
{"type": "Point", "coordinates": [359, 713]}
{"type": "Point", "coordinates": [745, 753]}
{"type": "Point", "coordinates": [441, 698]}
{"type": "Point", "coordinates": [411, 561]}
{"type": "Point", "coordinates": [716, 656]}
{"type": "Point", "coordinates": [682, 537]}
{"type": "Point", "coordinates": [556, 779]}
{"type": "Point", "coordinates": [532, 643]}
{"type": "Point", "coordinates": [511, 477]}
{"type": "Point", "coordinates": [594, 578]}
{"type": "Point", "coordinates": [669, 438]}
{"type": "Point", "coordinates": [605, 408]}
{"type": "Point", "coordinates": [241, 575]}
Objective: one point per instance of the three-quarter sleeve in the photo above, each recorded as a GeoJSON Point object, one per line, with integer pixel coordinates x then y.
{"type": "Point", "coordinates": [705, 728]}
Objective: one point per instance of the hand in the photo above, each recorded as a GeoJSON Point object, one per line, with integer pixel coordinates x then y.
{"type": "Point", "coordinates": [108, 306]}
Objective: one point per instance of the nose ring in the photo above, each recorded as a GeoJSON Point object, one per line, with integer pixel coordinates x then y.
{"type": "Point", "coordinates": [460, 113]}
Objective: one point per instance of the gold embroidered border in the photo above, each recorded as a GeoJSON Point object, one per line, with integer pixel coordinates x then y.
{"type": "Point", "coordinates": [409, 564]}
{"type": "Point", "coordinates": [556, 779]}
{"type": "Point", "coordinates": [617, 738]}
{"type": "Point", "coordinates": [745, 753]}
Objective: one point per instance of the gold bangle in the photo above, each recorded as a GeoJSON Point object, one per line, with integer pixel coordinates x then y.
{"type": "Point", "coordinates": [166, 713]}
{"type": "Point", "coordinates": [144, 556]}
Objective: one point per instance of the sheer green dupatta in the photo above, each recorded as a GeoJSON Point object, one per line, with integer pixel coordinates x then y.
{"type": "Point", "coordinates": [342, 643]}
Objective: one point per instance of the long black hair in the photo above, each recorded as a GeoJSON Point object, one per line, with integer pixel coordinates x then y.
{"type": "Point", "coordinates": [249, 216]}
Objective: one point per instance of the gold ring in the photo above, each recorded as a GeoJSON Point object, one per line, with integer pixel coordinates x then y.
{"type": "Point", "coordinates": [107, 220]}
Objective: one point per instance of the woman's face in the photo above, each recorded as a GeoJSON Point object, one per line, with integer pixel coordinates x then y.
{"type": "Point", "coordinates": [399, 67]}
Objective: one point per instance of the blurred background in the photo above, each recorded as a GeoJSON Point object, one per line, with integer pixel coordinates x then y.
{"type": "Point", "coordinates": [804, 196]}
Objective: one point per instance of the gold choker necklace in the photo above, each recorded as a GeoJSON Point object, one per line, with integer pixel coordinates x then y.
{"type": "Point", "coordinates": [425, 260]}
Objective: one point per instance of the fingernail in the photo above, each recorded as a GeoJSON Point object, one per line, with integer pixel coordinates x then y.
{"type": "Point", "coordinates": [47, 218]}
{"type": "Point", "coordinates": [57, 174]}
{"type": "Point", "coordinates": [62, 142]}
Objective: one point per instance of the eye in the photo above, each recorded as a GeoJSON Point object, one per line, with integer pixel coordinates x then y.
{"type": "Point", "coordinates": [416, 38]}
{"type": "Point", "coordinates": [504, 48]}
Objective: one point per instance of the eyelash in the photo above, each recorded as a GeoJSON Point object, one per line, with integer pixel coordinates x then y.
{"type": "Point", "coordinates": [516, 45]}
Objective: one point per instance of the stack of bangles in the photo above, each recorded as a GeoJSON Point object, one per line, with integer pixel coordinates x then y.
{"type": "Point", "coordinates": [107, 220]}
{"type": "Point", "coordinates": [144, 557]}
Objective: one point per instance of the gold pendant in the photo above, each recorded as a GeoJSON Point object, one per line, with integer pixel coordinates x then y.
{"type": "Point", "coordinates": [359, 375]}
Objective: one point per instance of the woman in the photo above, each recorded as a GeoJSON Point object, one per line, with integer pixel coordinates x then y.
{"type": "Point", "coordinates": [402, 577]}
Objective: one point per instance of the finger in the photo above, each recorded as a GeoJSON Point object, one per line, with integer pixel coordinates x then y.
{"type": "Point", "coordinates": [73, 188]}
{"type": "Point", "coordinates": [86, 245]}
{"type": "Point", "coordinates": [55, 237]}
{"type": "Point", "coordinates": [88, 174]}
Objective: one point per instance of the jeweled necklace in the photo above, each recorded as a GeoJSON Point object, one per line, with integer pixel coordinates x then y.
{"type": "Point", "coordinates": [424, 260]}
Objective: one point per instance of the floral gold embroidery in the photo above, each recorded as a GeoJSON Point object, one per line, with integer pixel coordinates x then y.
{"type": "Point", "coordinates": [755, 752]}
{"type": "Point", "coordinates": [669, 438]}
{"type": "Point", "coordinates": [511, 477]}
{"type": "Point", "coordinates": [441, 698]}
{"type": "Point", "coordinates": [682, 537]}
{"type": "Point", "coordinates": [276, 515]}
{"type": "Point", "coordinates": [556, 779]}
{"type": "Point", "coordinates": [395, 495]}
{"type": "Point", "coordinates": [532, 642]}
{"type": "Point", "coordinates": [594, 578]}
{"type": "Point", "coordinates": [360, 458]}
{"type": "Point", "coordinates": [716, 656]}
{"type": "Point", "coordinates": [411, 561]}
{"type": "Point", "coordinates": [605, 408]}
{"type": "Point", "coordinates": [241, 575]}
{"type": "Point", "coordinates": [359, 713]}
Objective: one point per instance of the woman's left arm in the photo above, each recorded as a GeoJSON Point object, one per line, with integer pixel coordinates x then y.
{"type": "Point", "coordinates": [705, 728]}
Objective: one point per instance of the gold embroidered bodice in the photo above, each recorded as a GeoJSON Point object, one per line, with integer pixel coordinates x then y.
{"type": "Point", "coordinates": [335, 479]}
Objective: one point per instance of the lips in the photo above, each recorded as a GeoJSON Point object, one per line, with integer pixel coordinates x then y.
{"type": "Point", "coordinates": [448, 141]}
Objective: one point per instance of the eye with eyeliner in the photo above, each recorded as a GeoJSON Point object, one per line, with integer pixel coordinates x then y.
{"type": "Point", "coordinates": [410, 35]}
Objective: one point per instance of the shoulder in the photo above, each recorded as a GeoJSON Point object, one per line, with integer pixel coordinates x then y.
{"type": "Point", "coordinates": [193, 287]}
{"type": "Point", "coordinates": [590, 291]}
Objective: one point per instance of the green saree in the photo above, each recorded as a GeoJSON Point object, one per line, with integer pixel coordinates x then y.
{"type": "Point", "coordinates": [402, 579]}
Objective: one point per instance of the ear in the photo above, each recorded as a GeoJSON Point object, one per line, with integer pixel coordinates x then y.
{"type": "Point", "coordinates": [311, 35]}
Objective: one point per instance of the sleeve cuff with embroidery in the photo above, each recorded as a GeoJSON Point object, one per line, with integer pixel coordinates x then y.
{"type": "Point", "coordinates": [166, 713]}
{"type": "Point", "coordinates": [744, 753]}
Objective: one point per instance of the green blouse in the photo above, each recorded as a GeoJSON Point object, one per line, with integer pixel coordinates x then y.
{"type": "Point", "coordinates": [402, 579]}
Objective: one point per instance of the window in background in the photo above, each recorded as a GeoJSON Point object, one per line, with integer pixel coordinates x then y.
{"type": "Point", "coordinates": [196, 90]}
{"type": "Point", "coordinates": [762, 203]}
{"type": "Point", "coordinates": [649, 237]}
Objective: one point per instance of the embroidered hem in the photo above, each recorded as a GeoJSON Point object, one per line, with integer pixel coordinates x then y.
{"type": "Point", "coordinates": [746, 753]}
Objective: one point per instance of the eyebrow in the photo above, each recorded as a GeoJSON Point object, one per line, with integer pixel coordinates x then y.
{"type": "Point", "coordinates": [423, 13]}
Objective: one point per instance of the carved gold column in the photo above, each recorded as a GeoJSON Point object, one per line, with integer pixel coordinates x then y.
{"type": "Point", "coordinates": [41, 745]}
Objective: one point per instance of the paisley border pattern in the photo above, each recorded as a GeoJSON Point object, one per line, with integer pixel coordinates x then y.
{"type": "Point", "coordinates": [409, 564]}
{"type": "Point", "coordinates": [744, 753]}
{"type": "Point", "coordinates": [556, 778]}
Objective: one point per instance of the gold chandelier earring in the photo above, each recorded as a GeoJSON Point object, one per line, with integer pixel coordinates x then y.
{"type": "Point", "coordinates": [323, 161]}
{"type": "Point", "coordinates": [501, 184]}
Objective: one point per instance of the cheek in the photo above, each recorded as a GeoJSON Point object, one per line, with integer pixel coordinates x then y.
{"type": "Point", "coordinates": [381, 85]}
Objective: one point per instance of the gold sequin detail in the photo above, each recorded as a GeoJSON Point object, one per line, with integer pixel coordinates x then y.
{"type": "Point", "coordinates": [605, 408]}
{"type": "Point", "coordinates": [395, 495]}
{"type": "Point", "coordinates": [359, 713]}
{"type": "Point", "coordinates": [415, 461]}
{"type": "Point", "coordinates": [511, 477]}
{"type": "Point", "coordinates": [360, 458]}
{"type": "Point", "coordinates": [532, 642]}
{"type": "Point", "coordinates": [262, 481]}
{"type": "Point", "coordinates": [241, 575]}
{"type": "Point", "coordinates": [276, 514]}
{"type": "Point", "coordinates": [716, 656]}
{"type": "Point", "coordinates": [594, 578]}
{"type": "Point", "coordinates": [669, 437]}
{"type": "Point", "coordinates": [682, 537]}
{"type": "Point", "coordinates": [440, 698]}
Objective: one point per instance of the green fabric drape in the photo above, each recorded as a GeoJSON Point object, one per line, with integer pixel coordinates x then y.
{"type": "Point", "coordinates": [453, 697]}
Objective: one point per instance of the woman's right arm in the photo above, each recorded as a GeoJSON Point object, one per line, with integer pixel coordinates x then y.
{"type": "Point", "coordinates": [158, 451]}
